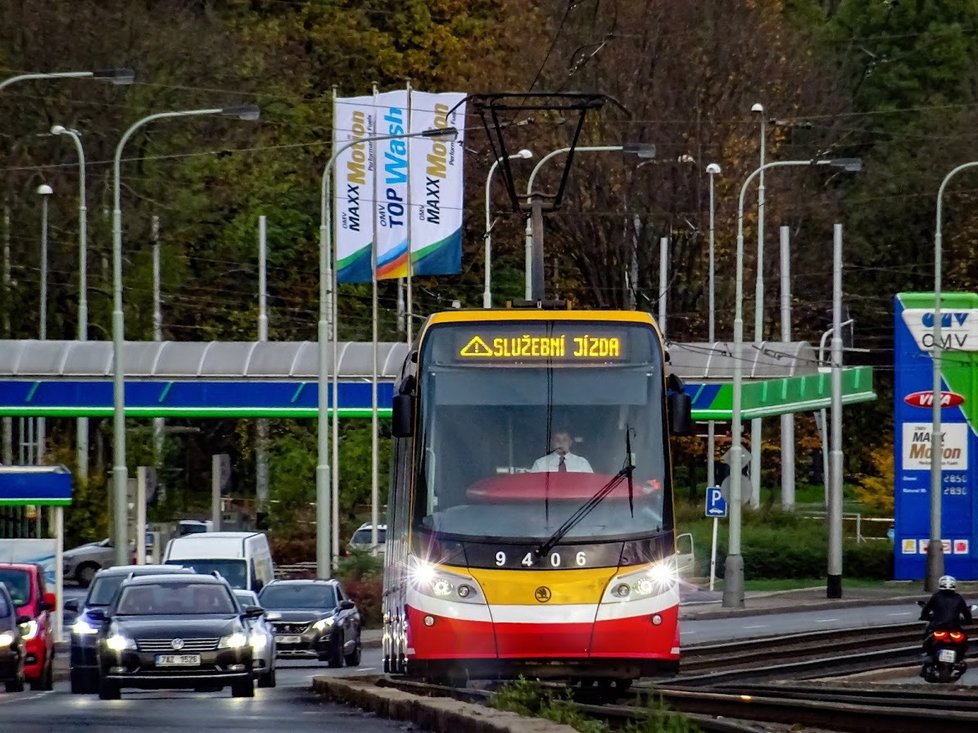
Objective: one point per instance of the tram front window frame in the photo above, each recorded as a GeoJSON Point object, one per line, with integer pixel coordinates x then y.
{"type": "Point", "coordinates": [482, 425]}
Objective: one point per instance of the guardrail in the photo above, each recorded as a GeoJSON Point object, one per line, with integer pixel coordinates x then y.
{"type": "Point", "coordinates": [858, 518]}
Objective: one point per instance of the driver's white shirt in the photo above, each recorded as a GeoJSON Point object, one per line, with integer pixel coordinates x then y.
{"type": "Point", "coordinates": [551, 462]}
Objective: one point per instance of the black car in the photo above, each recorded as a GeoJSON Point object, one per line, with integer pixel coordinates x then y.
{"type": "Point", "coordinates": [11, 644]}
{"type": "Point", "coordinates": [318, 619]}
{"type": "Point", "coordinates": [172, 632]}
{"type": "Point", "coordinates": [101, 592]}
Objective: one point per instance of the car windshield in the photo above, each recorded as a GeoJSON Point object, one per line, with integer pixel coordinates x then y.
{"type": "Point", "coordinates": [362, 536]}
{"type": "Point", "coordinates": [4, 611]}
{"type": "Point", "coordinates": [103, 590]}
{"type": "Point", "coordinates": [18, 584]}
{"type": "Point", "coordinates": [285, 597]}
{"type": "Point", "coordinates": [234, 572]}
{"type": "Point", "coordinates": [246, 597]}
{"type": "Point", "coordinates": [175, 599]}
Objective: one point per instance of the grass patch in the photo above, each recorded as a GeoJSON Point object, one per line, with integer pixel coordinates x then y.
{"type": "Point", "coordinates": [529, 698]}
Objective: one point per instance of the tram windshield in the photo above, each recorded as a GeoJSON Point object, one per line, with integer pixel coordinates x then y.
{"type": "Point", "coordinates": [512, 444]}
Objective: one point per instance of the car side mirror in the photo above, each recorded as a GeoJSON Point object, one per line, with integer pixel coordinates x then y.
{"type": "Point", "coordinates": [402, 416]}
{"type": "Point", "coordinates": [273, 615]}
{"type": "Point", "coordinates": [680, 406]}
{"type": "Point", "coordinates": [347, 605]}
{"type": "Point", "coordinates": [50, 602]}
{"type": "Point", "coordinates": [253, 611]}
{"type": "Point", "coordinates": [98, 615]}
{"type": "Point", "coordinates": [72, 605]}
{"type": "Point", "coordinates": [23, 620]}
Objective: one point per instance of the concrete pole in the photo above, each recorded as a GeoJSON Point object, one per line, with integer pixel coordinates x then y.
{"type": "Point", "coordinates": [8, 423]}
{"type": "Point", "coordinates": [834, 579]}
{"type": "Point", "coordinates": [261, 447]}
{"type": "Point", "coordinates": [536, 273]}
{"type": "Point", "coordinates": [159, 423]}
{"type": "Point", "coordinates": [787, 421]}
{"type": "Point", "coordinates": [216, 492]}
{"type": "Point", "coordinates": [45, 191]}
{"type": "Point", "coordinates": [663, 283]}
{"type": "Point", "coordinates": [712, 171]}
{"type": "Point", "coordinates": [756, 431]}
{"type": "Point", "coordinates": [141, 481]}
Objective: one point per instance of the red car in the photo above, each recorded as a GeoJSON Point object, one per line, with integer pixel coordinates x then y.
{"type": "Point", "coordinates": [25, 583]}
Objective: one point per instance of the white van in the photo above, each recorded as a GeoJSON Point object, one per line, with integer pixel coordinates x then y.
{"type": "Point", "coordinates": [242, 558]}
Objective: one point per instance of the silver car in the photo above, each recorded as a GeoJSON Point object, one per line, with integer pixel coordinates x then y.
{"type": "Point", "coordinates": [262, 638]}
{"type": "Point", "coordinates": [82, 562]}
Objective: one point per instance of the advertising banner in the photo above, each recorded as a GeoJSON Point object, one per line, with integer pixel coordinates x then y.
{"type": "Point", "coordinates": [436, 185]}
{"type": "Point", "coordinates": [353, 189]}
{"type": "Point", "coordinates": [392, 185]}
{"type": "Point", "coordinates": [913, 406]}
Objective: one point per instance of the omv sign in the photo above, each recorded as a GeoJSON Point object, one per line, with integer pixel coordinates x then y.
{"type": "Point", "coordinates": [926, 399]}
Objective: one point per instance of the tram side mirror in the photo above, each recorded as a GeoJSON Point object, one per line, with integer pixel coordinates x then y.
{"type": "Point", "coordinates": [680, 406]}
{"type": "Point", "coordinates": [402, 416]}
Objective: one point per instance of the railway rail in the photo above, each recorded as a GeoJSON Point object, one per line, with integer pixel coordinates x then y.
{"type": "Point", "coordinates": [722, 689]}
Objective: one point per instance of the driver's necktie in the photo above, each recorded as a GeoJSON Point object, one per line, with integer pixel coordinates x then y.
{"type": "Point", "coordinates": [562, 466]}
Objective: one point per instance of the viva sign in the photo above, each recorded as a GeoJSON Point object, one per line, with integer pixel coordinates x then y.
{"type": "Point", "coordinates": [913, 403]}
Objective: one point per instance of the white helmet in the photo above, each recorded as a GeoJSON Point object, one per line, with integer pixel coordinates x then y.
{"type": "Point", "coordinates": [947, 582]}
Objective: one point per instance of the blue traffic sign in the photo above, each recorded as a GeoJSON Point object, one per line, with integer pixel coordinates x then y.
{"type": "Point", "coordinates": [716, 505]}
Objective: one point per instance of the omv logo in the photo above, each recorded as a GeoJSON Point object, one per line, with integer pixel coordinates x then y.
{"type": "Point", "coordinates": [926, 399]}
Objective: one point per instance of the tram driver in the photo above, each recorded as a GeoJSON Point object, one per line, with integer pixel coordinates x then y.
{"type": "Point", "coordinates": [560, 458]}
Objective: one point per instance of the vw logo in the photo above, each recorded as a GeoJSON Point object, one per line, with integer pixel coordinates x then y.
{"type": "Point", "coordinates": [177, 644]}
{"type": "Point", "coordinates": [542, 594]}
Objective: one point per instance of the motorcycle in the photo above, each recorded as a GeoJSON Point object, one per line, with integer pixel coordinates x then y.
{"type": "Point", "coordinates": [945, 650]}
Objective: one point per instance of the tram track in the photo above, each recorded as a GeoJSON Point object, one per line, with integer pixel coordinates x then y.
{"type": "Point", "coordinates": [726, 692]}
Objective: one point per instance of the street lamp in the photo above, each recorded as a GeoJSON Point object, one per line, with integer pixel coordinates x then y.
{"type": "Point", "coordinates": [756, 434]}
{"type": "Point", "coordinates": [935, 546]}
{"type": "Point", "coordinates": [733, 588]}
{"type": "Point", "coordinates": [323, 498]}
{"type": "Point", "coordinates": [523, 154]}
{"type": "Point", "coordinates": [44, 191]}
{"type": "Point", "coordinates": [712, 170]}
{"type": "Point", "coordinates": [534, 223]}
{"type": "Point", "coordinates": [82, 423]}
{"type": "Point", "coordinates": [120, 472]}
{"type": "Point", "coordinates": [118, 77]}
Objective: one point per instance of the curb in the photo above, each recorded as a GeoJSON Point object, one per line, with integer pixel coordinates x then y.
{"type": "Point", "coordinates": [693, 614]}
{"type": "Point", "coordinates": [441, 715]}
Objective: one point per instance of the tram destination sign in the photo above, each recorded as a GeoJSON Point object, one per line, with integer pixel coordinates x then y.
{"type": "Point", "coordinates": [569, 343]}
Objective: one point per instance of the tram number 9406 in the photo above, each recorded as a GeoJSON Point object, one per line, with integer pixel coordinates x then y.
{"type": "Point", "coordinates": [555, 560]}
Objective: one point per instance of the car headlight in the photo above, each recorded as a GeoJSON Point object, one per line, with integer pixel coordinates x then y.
{"type": "Point", "coordinates": [233, 641]}
{"type": "Point", "coordinates": [119, 642]}
{"type": "Point", "coordinates": [6, 639]}
{"type": "Point", "coordinates": [259, 639]}
{"type": "Point", "coordinates": [29, 629]}
{"type": "Point", "coordinates": [324, 623]}
{"type": "Point", "coordinates": [83, 628]}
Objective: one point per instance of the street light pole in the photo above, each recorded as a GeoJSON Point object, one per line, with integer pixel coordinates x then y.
{"type": "Point", "coordinates": [82, 423]}
{"type": "Point", "coordinates": [756, 430]}
{"type": "Point", "coordinates": [120, 474]}
{"type": "Point", "coordinates": [326, 330]}
{"type": "Point", "coordinates": [44, 191]}
{"type": "Point", "coordinates": [118, 77]}
{"type": "Point", "coordinates": [733, 588]}
{"type": "Point", "coordinates": [935, 546]}
{"type": "Point", "coordinates": [534, 223]}
{"type": "Point", "coordinates": [523, 154]}
{"type": "Point", "coordinates": [712, 171]}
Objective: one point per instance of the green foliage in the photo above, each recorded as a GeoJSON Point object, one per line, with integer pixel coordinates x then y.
{"type": "Point", "coordinates": [530, 698]}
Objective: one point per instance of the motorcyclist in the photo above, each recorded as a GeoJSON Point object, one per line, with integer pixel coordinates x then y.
{"type": "Point", "coordinates": [946, 609]}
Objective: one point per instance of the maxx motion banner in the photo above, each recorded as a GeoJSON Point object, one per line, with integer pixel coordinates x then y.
{"type": "Point", "coordinates": [353, 191]}
{"type": "Point", "coordinates": [913, 405]}
{"type": "Point", "coordinates": [402, 196]}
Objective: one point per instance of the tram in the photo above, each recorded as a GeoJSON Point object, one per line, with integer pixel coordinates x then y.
{"type": "Point", "coordinates": [502, 562]}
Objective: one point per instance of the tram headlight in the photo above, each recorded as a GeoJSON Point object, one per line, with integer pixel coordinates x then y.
{"type": "Point", "coordinates": [655, 579]}
{"type": "Point", "coordinates": [447, 586]}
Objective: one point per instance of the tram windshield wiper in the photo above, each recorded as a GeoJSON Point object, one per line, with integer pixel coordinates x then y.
{"type": "Point", "coordinates": [587, 507]}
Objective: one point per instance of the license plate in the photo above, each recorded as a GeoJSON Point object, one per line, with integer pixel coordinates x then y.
{"type": "Point", "coordinates": [177, 660]}
{"type": "Point", "coordinates": [288, 639]}
{"type": "Point", "coordinates": [946, 655]}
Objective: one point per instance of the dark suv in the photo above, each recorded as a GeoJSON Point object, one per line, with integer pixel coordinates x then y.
{"type": "Point", "coordinates": [26, 585]}
{"type": "Point", "coordinates": [11, 644]}
{"type": "Point", "coordinates": [101, 592]}
{"type": "Point", "coordinates": [173, 632]}
{"type": "Point", "coordinates": [318, 619]}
